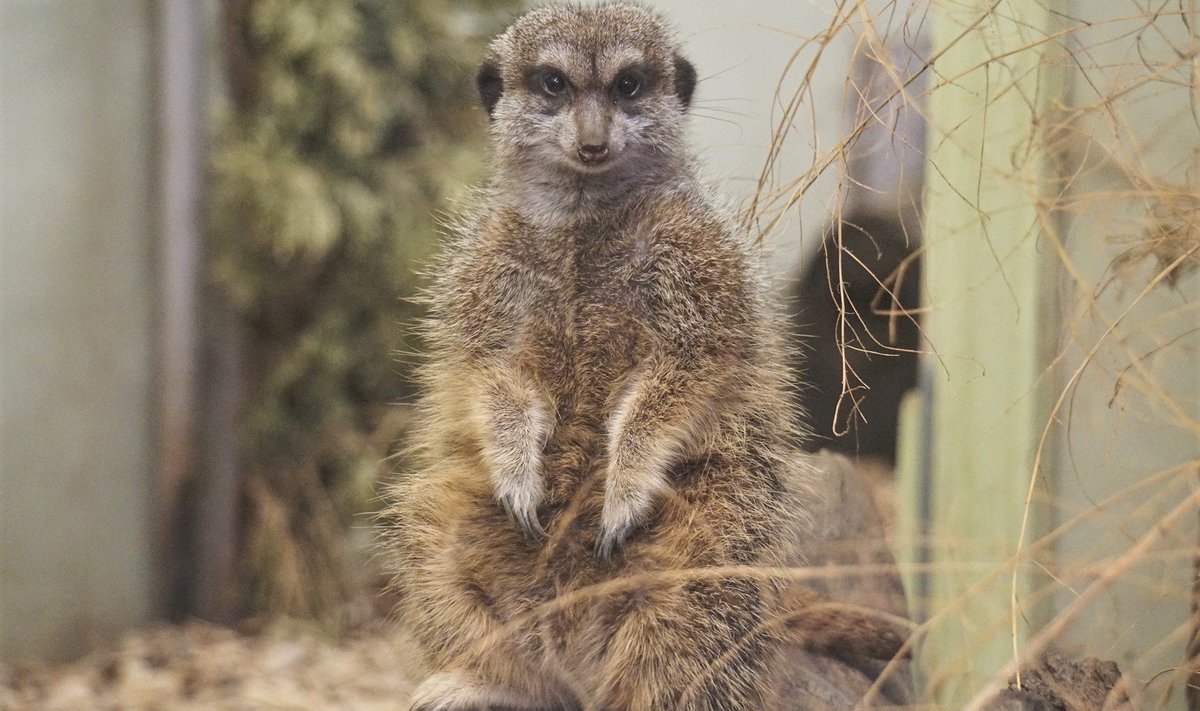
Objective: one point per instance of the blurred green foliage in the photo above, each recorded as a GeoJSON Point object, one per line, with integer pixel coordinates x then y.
{"type": "Point", "coordinates": [350, 124]}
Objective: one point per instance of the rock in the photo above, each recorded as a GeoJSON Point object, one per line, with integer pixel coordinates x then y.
{"type": "Point", "coordinates": [848, 531]}
{"type": "Point", "coordinates": [1056, 683]}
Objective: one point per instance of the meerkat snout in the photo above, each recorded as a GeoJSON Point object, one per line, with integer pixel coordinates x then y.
{"type": "Point", "coordinates": [593, 153]}
{"type": "Point", "coordinates": [593, 121]}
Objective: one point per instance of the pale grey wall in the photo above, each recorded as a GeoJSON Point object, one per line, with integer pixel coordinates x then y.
{"type": "Point", "coordinates": [75, 321]}
{"type": "Point", "coordinates": [741, 51]}
{"type": "Point", "coordinates": [1122, 429]}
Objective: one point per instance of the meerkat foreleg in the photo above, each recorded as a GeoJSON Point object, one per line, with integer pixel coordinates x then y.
{"type": "Point", "coordinates": [516, 421]}
{"type": "Point", "coordinates": [668, 407]}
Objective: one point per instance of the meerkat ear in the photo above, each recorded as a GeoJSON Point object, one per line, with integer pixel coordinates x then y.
{"type": "Point", "coordinates": [489, 85]}
{"type": "Point", "coordinates": [685, 80]}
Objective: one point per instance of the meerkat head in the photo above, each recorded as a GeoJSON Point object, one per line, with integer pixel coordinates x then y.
{"type": "Point", "coordinates": [585, 92]}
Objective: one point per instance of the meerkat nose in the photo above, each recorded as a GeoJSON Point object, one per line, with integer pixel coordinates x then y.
{"type": "Point", "coordinates": [589, 153]}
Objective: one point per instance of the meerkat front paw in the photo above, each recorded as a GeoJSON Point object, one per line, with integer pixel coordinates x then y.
{"type": "Point", "coordinates": [629, 495]}
{"type": "Point", "coordinates": [638, 456]}
{"type": "Point", "coordinates": [519, 430]}
{"type": "Point", "coordinates": [618, 519]}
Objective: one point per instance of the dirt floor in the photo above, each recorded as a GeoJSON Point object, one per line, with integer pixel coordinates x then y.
{"type": "Point", "coordinates": [198, 666]}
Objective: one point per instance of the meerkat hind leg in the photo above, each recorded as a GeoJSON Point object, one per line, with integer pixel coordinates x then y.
{"type": "Point", "coordinates": [455, 691]}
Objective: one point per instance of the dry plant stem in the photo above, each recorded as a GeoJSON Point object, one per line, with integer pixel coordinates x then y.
{"type": "Point", "coordinates": [800, 186]}
{"type": "Point", "coordinates": [847, 369]}
{"type": "Point", "coordinates": [876, 43]}
{"type": "Point", "coordinates": [891, 292]}
{"type": "Point", "coordinates": [851, 381]}
{"type": "Point", "coordinates": [995, 571]}
{"type": "Point", "coordinates": [1107, 577]}
{"type": "Point", "coordinates": [762, 201]}
{"type": "Point", "coordinates": [779, 134]}
{"type": "Point", "coordinates": [1192, 648]}
{"type": "Point", "coordinates": [1152, 386]}
{"type": "Point", "coordinates": [1136, 360]}
{"type": "Point", "coordinates": [1052, 418]}
{"type": "Point", "coordinates": [933, 680]}
{"type": "Point", "coordinates": [1171, 641]}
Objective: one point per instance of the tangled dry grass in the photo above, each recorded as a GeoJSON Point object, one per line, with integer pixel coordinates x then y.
{"type": "Point", "coordinates": [1073, 149]}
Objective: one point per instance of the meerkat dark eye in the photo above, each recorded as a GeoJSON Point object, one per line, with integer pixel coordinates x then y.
{"type": "Point", "coordinates": [628, 86]}
{"type": "Point", "coordinates": [554, 83]}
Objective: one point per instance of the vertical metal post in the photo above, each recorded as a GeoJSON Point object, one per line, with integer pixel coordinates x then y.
{"type": "Point", "coordinates": [199, 377]}
{"type": "Point", "coordinates": [180, 113]}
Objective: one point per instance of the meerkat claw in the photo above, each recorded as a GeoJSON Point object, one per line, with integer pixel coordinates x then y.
{"type": "Point", "coordinates": [612, 537]}
{"type": "Point", "coordinates": [606, 542]}
{"type": "Point", "coordinates": [531, 524]}
{"type": "Point", "coordinates": [524, 515]}
{"type": "Point", "coordinates": [519, 496]}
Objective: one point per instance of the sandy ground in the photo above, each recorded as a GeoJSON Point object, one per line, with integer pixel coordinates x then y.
{"type": "Point", "coordinates": [198, 666]}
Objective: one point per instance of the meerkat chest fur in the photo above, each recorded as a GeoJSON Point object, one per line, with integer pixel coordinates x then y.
{"type": "Point", "coordinates": [599, 310]}
{"type": "Point", "coordinates": [595, 313]}
{"type": "Point", "coordinates": [582, 310]}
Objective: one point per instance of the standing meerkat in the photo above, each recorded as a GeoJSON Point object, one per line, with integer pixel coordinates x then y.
{"type": "Point", "coordinates": [605, 423]}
